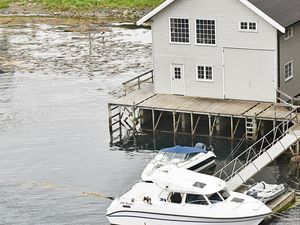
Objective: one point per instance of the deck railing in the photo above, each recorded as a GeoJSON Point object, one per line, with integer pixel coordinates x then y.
{"type": "Point", "coordinates": [137, 81]}
{"type": "Point", "coordinates": [286, 99]}
{"type": "Point", "coordinates": [230, 169]}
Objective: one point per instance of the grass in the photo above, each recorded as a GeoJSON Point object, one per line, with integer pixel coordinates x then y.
{"type": "Point", "coordinates": [4, 4]}
{"type": "Point", "coordinates": [89, 4]}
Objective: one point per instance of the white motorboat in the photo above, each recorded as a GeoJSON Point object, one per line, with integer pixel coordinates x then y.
{"type": "Point", "coordinates": [176, 196]}
{"type": "Point", "coordinates": [198, 158]}
{"type": "Point", "coordinates": [267, 192]}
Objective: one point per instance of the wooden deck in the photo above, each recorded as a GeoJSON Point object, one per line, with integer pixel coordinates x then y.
{"type": "Point", "coordinates": [147, 99]}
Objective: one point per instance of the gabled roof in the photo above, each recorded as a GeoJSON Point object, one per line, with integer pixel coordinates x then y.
{"type": "Point", "coordinates": [285, 12]}
{"type": "Point", "coordinates": [247, 3]}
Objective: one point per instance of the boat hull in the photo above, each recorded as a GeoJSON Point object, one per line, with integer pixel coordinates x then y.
{"type": "Point", "coordinates": [142, 218]}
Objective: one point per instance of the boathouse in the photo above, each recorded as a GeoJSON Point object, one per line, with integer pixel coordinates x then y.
{"type": "Point", "coordinates": [226, 49]}
{"type": "Point", "coordinates": [219, 66]}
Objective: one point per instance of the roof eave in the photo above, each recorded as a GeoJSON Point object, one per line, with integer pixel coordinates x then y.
{"type": "Point", "coordinates": [154, 12]}
{"type": "Point", "coordinates": [263, 15]}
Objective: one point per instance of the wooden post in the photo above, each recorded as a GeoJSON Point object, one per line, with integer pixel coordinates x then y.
{"type": "Point", "coordinates": [209, 124]}
{"type": "Point", "coordinates": [231, 127]}
{"type": "Point", "coordinates": [153, 119]}
{"type": "Point", "coordinates": [192, 123]}
{"type": "Point", "coordinates": [120, 124]}
{"type": "Point", "coordinates": [174, 127]}
{"type": "Point", "coordinates": [110, 124]}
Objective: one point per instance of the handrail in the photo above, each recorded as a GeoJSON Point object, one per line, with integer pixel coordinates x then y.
{"type": "Point", "coordinates": [290, 100]}
{"type": "Point", "coordinates": [137, 81]}
{"type": "Point", "coordinates": [258, 148]}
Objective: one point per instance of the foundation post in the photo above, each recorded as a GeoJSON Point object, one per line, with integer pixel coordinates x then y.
{"type": "Point", "coordinates": [110, 124]}
{"type": "Point", "coordinates": [231, 127]}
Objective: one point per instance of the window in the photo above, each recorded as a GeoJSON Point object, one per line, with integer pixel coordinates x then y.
{"type": "Point", "coordinates": [214, 198]}
{"type": "Point", "coordinates": [248, 26]}
{"type": "Point", "coordinates": [224, 193]}
{"type": "Point", "coordinates": [289, 33]}
{"type": "Point", "coordinates": [289, 71]}
{"type": "Point", "coordinates": [179, 30]}
{"type": "Point", "coordinates": [177, 72]}
{"type": "Point", "coordinates": [205, 73]}
{"type": "Point", "coordinates": [195, 199]}
{"type": "Point", "coordinates": [252, 26]}
{"type": "Point", "coordinates": [244, 26]}
{"type": "Point", "coordinates": [206, 32]}
{"type": "Point", "coordinates": [175, 197]}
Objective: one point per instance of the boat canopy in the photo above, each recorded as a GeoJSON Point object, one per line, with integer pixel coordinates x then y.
{"type": "Point", "coordinates": [185, 150]}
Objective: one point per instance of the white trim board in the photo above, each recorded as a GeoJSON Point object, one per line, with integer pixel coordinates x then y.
{"type": "Point", "coordinates": [154, 12]}
{"type": "Point", "coordinates": [245, 2]}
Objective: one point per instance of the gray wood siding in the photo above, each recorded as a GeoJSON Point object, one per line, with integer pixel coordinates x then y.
{"type": "Point", "coordinates": [227, 14]}
{"type": "Point", "coordinates": [290, 50]}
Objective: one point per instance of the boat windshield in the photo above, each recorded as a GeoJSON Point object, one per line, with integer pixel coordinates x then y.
{"type": "Point", "coordinates": [191, 155]}
{"type": "Point", "coordinates": [214, 198]}
{"type": "Point", "coordinates": [173, 157]}
{"type": "Point", "coordinates": [195, 199]}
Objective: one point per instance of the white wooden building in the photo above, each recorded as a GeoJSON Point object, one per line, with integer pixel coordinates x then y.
{"type": "Point", "coordinates": [225, 49]}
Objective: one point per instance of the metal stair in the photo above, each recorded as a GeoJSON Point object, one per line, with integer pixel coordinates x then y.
{"type": "Point", "coordinates": [261, 153]}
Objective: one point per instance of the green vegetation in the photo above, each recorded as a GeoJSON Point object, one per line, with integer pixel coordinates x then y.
{"type": "Point", "coordinates": [4, 4]}
{"type": "Point", "coordinates": [88, 4]}
{"type": "Point", "coordinates": [100, 3]}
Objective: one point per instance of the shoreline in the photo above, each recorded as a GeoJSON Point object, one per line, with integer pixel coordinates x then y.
{"type": "Point", "coordinates": [37, 13]}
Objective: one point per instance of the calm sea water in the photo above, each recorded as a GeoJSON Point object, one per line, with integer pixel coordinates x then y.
{"type": "Point", "coordinates": [55, 158]}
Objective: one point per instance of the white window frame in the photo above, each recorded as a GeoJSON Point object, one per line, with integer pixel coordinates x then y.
{"type": "Point", "coordinates": [170, 38]}
{"type": "Point", "coordinates": [248, 26]}
{"type": "Point", "coordinates": [290, 35]}
{"type": "Point", "coordinates": [292, 71]}
{"type": "Point", "coordinates": [205, 79]}
{"type": "Point", "coordinates": [200, 44]}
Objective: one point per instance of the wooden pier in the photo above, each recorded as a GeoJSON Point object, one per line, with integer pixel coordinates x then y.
{"type": "Point", "coordinates": [141, 109]}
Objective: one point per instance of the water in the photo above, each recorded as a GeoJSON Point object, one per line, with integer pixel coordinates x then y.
{"type": "Point", "coordinates": [54, 140]}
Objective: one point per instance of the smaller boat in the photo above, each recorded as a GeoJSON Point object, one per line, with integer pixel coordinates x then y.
{"type": "Point", "coordinates": [267, 192]}
{"type": "Point", "coordinates": [198, 159]}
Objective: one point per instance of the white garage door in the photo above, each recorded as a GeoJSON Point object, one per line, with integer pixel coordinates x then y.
{"type": "Point", "coordinates": [249, 74]}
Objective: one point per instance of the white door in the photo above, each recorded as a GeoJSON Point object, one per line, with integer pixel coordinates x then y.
{"type": "Point", "coordinates": [249, 74]}
{"type": "Point", "coordinates": [177, 72]}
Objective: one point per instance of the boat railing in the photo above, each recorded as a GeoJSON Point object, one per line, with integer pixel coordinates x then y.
{"type": "Point", "coordinates": [127, 188]}
{"type": "Point", "coordinates": [261, 146]}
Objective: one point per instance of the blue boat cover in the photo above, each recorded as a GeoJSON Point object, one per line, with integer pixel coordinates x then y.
{"type": "Point", "coordinates": [184, 150]}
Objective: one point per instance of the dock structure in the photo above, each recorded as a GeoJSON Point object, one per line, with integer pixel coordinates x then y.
{"type": "Point", "coordinates": [142, 109]}
{"type": "Point", "coordinates": [248, 163]}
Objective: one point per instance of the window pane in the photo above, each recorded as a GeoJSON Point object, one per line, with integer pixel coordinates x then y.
{"type": "Point", "coordinates": [214, 198]}
{"type": "Point", "coordinates": [209, 73]}
{"type": "Point", "coordinates": [288, 70]}
{"type": "Point", "coordinates": [175, 197]}
{"type": "Point", "coordinates": [205, 32]}
{"type": "Point", "coordinates": [179, 30]}
{"type": "Point", "coordinates": [201, 72]}
{"type": "Point", "coordinates": [177, 72]}
{"type": "Point", "coordinates": [195, 199]}
{"type": "Point", "coordinates": [252, 26]}
{"type": "Point", "coordinates": [244, 26]}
